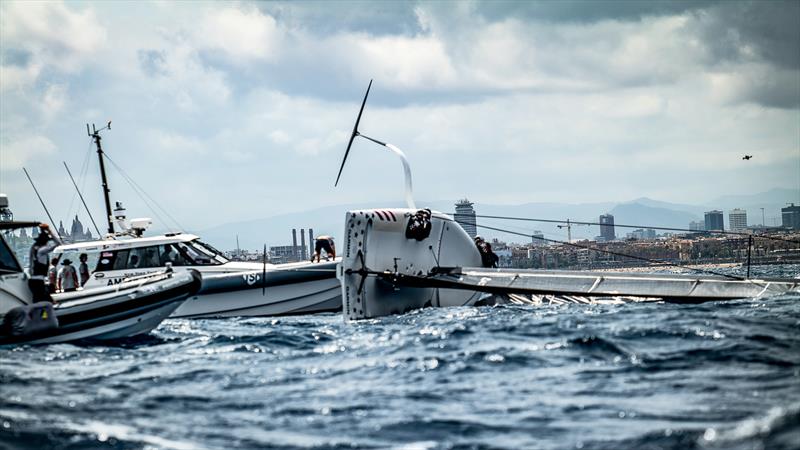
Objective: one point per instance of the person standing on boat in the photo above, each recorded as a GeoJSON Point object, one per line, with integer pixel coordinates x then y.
{"type": "Point", "coordinates": [67, 277]}
{"type": "Point", "coordinates": [488, 257]}
{"type": "Point", "coordinates": [83, 268]}
{"type": "Point", "coordinates": [52, 276]}
{"type": "Point", "coordinates": [44, 243]}
{"type": "Point", "coordinates": [324, 243]}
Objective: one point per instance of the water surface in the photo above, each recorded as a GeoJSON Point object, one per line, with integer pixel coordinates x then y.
{"type": "Point", "coordinates": [648, 375]}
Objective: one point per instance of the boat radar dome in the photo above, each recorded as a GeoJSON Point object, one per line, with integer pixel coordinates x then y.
{"type": "Point", "coordinates": [135, 227]}
{"type": "Point", "coordinates": [140, 225]}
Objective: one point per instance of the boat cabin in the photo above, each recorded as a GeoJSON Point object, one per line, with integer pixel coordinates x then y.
{"type": "Point", "coordinates": [112, 260]}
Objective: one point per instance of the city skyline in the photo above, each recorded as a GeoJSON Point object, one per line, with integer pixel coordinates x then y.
{"type": "Point", "coordinates": [495, 103]}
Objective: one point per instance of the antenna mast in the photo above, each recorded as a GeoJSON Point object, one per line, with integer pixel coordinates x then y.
{"type": "Point", "coordinates": [95, 134]}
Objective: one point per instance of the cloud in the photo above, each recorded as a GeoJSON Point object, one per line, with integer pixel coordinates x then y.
{"type": "Point", "coordinates": [240, 34]}
{"type": "Point", "coordinates": [498, 101]}
{"type": "Point", "coordinates": [49, 35]}
{"type": "Point", "coordinates": [23, 150]}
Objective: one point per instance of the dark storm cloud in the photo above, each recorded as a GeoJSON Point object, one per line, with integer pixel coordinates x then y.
{"type": "Point", "coordinates": [736, 31]}
{"type": "Point", "coordinates": [324, 17]}
{"type": "Point", "coordinates": [766, 33]}
{"type": "Point", "coordinates": [15, 57]}
{"type": "Point", "coordinates": [584, 11]}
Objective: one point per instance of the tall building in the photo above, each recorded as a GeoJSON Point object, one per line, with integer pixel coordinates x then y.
{"type": "Point", "coordinates": [465, 216]}
{"type": "Point", "coordinates": [607, 227]}
{"type": "Point", "coordinates": [715, 221]}
{"type": "Point", "coordinates": [310, 241]}
{"type": "Point", "coordinates": [790, 217]}
{"type": "Point", "coordinates": [303, 248]}
{"type": "Point", "coordinates": [697, 226]}
{"type": "Point", "coordinates": [737, 218]}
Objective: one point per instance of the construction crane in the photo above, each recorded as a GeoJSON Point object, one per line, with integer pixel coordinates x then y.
{"type": "Point", "coordinates": [569, 226]}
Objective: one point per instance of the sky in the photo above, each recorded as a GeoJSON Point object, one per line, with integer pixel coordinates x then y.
{"type": "Point", "coordinates": [229, 111]}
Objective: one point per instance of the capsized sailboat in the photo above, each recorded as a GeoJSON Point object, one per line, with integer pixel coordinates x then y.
{"type": "Point", "coordinates": [400, 259]}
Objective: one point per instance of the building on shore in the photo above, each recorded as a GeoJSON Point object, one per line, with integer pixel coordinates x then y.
{"type": "Point", "coordinates": [607, 227]}
{"type": "Point", "coordinates": [280, 254]}
{"type": "Point", "coordinates": [465, 216]}
{"type": "Point", "coordinates": [790, 217]}
{"type": "Point", "coordinates": [76, 233]}
{"type": "Point", "coordinates": [642, 234]}
{"type": "Point", "coordinates": [714, 221]}
{"type": "Point", "coordinates": [737, 218]}
{"type": "Point", "coordinates": [697, 225]}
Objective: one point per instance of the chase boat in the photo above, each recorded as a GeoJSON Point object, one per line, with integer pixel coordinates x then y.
{"type": "Point", "coordinates": [228, 288]}
{"type": "Point", "coordinates": [133, 306]}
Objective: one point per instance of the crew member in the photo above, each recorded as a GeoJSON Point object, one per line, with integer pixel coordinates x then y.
{"type": "Point", "coordinates": [44, 243]}
{"type": "Point", "coordinates": [52, 276]}
{"type": "Point", "coordinates": [67, 277]}
{"type": "Point", "coordinates": [324, 243]}
{"type": "Point", "coordinates": [83, 268]}
{"type": "Point", "coordinates": [488, 257]}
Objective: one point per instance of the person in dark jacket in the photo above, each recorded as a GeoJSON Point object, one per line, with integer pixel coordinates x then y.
{"type": "Point", "coordinates": [488, 257]}
{"type": "Point", "coordinates": [83, 268]}
{"type": "Point", "coordinates": [44, 243]}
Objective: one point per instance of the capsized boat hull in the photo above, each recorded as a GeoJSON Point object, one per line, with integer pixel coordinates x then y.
{"type": "Point", "coordinates": [299, 289]}
{"type": "Point", "coordinates": [128, 309]}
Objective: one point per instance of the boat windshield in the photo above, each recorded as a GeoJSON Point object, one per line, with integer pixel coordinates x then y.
{"type": "Point", "coordinates": [210, 251]}
{"type": "Point", "coordinates": [8, 263]}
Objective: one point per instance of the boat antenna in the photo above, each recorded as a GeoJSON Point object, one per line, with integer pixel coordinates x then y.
{"type": "Point", "coordinates": [52, 222]}
{"type": "Point", "coordinates": [95, 134]}
{"type": "Point", "coordinates": [406, 168]}
{"type": "Point", "coordinates": [264, 271]}
{"type": "Point", "coordinates": [82, 200]}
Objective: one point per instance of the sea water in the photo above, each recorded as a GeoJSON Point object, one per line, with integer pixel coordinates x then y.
{"type": "Point", "coordinates": [646, 375]}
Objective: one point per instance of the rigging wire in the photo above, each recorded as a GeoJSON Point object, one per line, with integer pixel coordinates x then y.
{"type": "Point", "coordinates": [147, 204]}
{"type": "Point", "coordinates": [611, 252]}
{"type": "Point", "coordinates": [737, 233]}
{"type": "Point", "coordinates": [142, 194]}
{"type": "Point", "coordinates": [84, 167]}
{"type": "Point", "coordinates": [82, 200]}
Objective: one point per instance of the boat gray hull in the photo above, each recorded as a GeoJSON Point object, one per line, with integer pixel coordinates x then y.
{"type": "Point", "coordinates": [303, 290]}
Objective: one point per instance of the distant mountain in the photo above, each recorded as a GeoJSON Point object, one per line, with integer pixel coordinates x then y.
{"type": "Point", "coordinates": [638, 214]}
{"type": "Point", "coordinates": [777, 196]}
{"type": "Point", "coordinates": [694, 209]}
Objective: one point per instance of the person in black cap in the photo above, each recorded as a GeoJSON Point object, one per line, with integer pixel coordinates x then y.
{"type": "Point", "coordinates": [44, 243]}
